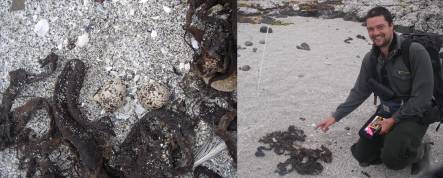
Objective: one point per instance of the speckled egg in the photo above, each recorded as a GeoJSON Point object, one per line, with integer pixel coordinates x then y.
{"type": "Point", "coordinates": [153, 95]}
{"type": "Point", "coordinates": [111, 95]}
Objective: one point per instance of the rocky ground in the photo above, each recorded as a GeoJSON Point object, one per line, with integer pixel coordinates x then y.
{"type": "Point", "coordinates": [125, 46]}
{"type": "Point", "coordinates": [298, 74]}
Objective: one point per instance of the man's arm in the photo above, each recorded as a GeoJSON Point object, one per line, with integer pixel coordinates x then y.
{"type": "Point", "coordinates": [422, 84]}
{"type": "Point", "coordinates": [359, 93]}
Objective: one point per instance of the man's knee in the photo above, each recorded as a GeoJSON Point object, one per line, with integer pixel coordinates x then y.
{"type": "Point", "coordinates": [395, 155]}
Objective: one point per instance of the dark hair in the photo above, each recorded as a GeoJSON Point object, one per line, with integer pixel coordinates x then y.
{"type": "Point", "coordinates": [380, 11]}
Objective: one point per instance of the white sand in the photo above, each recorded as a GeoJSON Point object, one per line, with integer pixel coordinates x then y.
{"type": "Point", "coordinates": [329, 70]}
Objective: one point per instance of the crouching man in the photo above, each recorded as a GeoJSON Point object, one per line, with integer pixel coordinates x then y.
{"type": "Point", "coordinates": [394, 134]}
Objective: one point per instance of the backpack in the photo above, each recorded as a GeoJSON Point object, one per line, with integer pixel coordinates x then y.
{"type": "Point", "coordinates": [432, 44]}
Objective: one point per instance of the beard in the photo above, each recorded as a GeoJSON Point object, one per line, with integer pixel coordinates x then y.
{"type": "Point", "coordinates": [385, 41]}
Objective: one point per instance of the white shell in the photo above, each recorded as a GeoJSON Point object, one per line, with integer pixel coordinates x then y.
{"type": "Point", "coordinates": [82, 40]}
{"type": "Point", "coordinates": [42, 27]}
{"type": "Point", "coordinates": [153, 34]}
{"type": "Point", "coordinates": [167, 9]}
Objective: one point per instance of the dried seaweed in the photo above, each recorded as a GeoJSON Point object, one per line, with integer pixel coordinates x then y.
{"type": "Point", "coordinates": [201, 170]}
{"type": "Point", "coordinates": [216, 56]}
{"type": "Point", "coordinates": [302, 160]}
{"type": "Point", "coordinates": [12, 122]}
{"type": "Point", "coordinates": [228, 136]}
{"type": "Point", "coordinates": [159, 145]}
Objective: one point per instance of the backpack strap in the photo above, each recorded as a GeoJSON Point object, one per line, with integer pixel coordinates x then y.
{"type": "Point", "coordinates": [404, 49]}
{"type": "Point", "coordinates": [373, 68]}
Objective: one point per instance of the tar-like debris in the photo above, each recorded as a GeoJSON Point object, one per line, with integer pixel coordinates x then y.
{"type": "Point", "coordinates": [303, 160]}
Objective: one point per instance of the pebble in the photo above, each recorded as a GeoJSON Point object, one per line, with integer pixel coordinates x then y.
{"type": "Point", "coordinates": [261, 41]}
{"type": "Point", "coordinates": [17, 5]}
{"type": "Point", "coordinates": [265, 29]}
{"type": "Point", "coordinates": [303, 46]}
{"type": "Point", "coordinates": [348, 40]}
{"type": "Point", "coordinates": [82, 40]}
{"type": "Point", "coordinates": [361, 37]}
{"type": "Point", "coordinates": [302, 118]}
{"type": "Point", "coordinates": [42, 27]}
{"type": "Point", "coordinates": [254, 49]}
{"type": "Point", "coordinates": [248, 43]}
{"type": "Point", "coordinates": [245, 68]}
{"type": "Point", "coordinates": [347, 128]}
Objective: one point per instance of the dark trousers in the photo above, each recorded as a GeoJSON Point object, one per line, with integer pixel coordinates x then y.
{"type": "Point", "coordinates": [396, 150]}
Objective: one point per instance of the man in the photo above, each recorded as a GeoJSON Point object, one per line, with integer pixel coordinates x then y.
{"type": "Point", "coordinates": [399, 143]}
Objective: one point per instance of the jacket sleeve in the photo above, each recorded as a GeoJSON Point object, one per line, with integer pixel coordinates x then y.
{"type": "Point", "coordinates": [422, 84]}
{"type": "Point", "coordinates": [358, 94]}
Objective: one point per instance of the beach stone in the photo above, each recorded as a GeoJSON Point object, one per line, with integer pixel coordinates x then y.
{"type": "Point", "coordinates": [303, 46]}
{"type": "Point", "coordinates": [361, 37]}
{"type": "Point", "coordinates": [261, 41]}
{"type": "Point", "coordinates": [245, 68]}
{"type": "Point", "coordinates": [248, 43]}
{"type": "Point", "coordinates": [348, 40]}
{"type": "Point", "coordinates": [248, 11]}
{"type": "Point", "coordinates": [254, 49]}
{"type": "Point", "coordinates": [111, 95]}
{"type": "Point", "coordinates": [264, 29]}
{"type": "Point", "coordinates": [153, 95]}
{"type": "Point", "coordinates": [17, 5]}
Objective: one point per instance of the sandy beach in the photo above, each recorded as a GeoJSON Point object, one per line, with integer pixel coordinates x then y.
{"type": "Point", "coordinates": [310, 84]}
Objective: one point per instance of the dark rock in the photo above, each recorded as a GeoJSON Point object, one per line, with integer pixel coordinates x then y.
{"type": "Point", "coordinates": [261, 41]}
{"type": "Point", "coordinates": [265, 29]}
{"type": "Point", "coordinates": [254, 50]}
{"type": "Point", "coordinates": [348, 40]}
{"type": "Point", "coordinates": [304, 46]}
{"type": "Point", "coordinates": [361, 37]}
{"type": "Point", "coordinates": [268, 20]}
{"type": "Point", "coordinates": [288, 11]}
{"type": "Point", "coordinates": [302, 118]}
{"type": "Point", "coordinates": [351, 17]}
{"type": "Point", "coordinates": [245, 68]}
{"type": "Point", "coordinates": [347, 128]}
{"type": "Point", "coordinates": [17, 5]}
{"type": "Point", "coordinates": [248, 43]}
{"type": "Point", "coordinates": [280, 16]}
{"type": "Point", "coordinates": [259, 153]}
{"type": "Point", "coordinates": [333, 14]}
{"type": "Point", "coordinates": [365, 173]}
{"type": "Point", "coordinates": [300, 76]}
{"type": "Point", "coordinates": [358, 56]}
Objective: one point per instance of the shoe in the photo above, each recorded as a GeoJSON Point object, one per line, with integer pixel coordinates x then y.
{"type": "Point", "coordinates": [423, 161]}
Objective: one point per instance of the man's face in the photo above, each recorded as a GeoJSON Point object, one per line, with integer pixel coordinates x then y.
{"type": "Point", "coordinates": [379, 30]}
